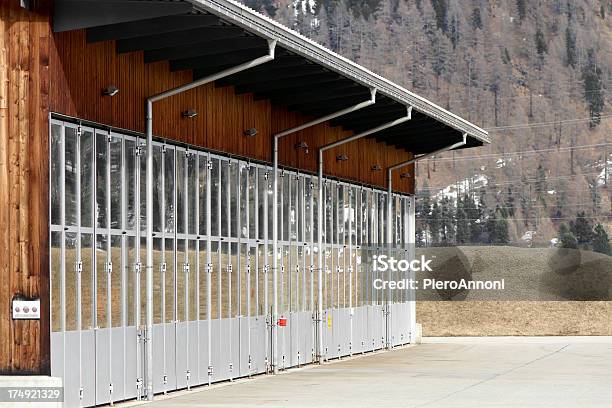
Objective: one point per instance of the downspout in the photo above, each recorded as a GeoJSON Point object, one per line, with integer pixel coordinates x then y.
{"type": "Point", "coordinates": [320, 209]}
{"type": "Point", "coordinates": [277, 137]}
{"type": "Point", "coordinates": [149, 191]}
{"type": "Point", "coordinates": [389, 215]}
{"type": "Point", "coordinates": [416, 159]}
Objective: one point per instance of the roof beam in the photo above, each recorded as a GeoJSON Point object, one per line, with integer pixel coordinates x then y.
{"type": "Point", "coordinates": [376, 108]}
{"type": "Point", "coordinates": [409, 137]}
{"type": "Point", "coordinates": [370, 113]}
{"type": "Point", "coordinates": [337, 103]}
{"type": "Point", "coordinates": [184, 37]}
{"type": "Point", "coordinates": [294, 101]}
{"type": "Point", "coordinates": [203, 48]}
{"type": "Point", "coordinates": [278, 70]}
{"type": "Point", "coordinates": [301, 92]}
{"type": "Point", "coordinates": [367, 118]}
{"type": "Point", "coordinates": [214, 60]}
{"type": "Point", "coordinates": [77, 14]}
{"type": "Point", "coordinates": [417, 140]}
{"type": "Point", "coordinates": [420, 125]}
{"type": "Point", "coordinates": [151, 26]}
{"type": "Point", "coordinates": [288, 84]}
{"type": "Point", "coordinates": [426, 148]}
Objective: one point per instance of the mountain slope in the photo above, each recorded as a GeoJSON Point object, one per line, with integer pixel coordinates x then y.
{"type": "Point", "coordinates": [502, 65]}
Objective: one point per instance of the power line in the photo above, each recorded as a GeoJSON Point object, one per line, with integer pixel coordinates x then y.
{"type": "Point", "coordinates": [463, 182]}
{"type": "Point", "coordinates": [543, 192]}
{"type": "Point", "coordinates": [543, 95]}
{"type": "Point", "coordinates": [543, 124]}
{"type": "Point", "coordinates": [517, 219]}
{"type": "Point", "coordinates": [525, 152]}
{"type": "Point", "coordinates": [551, 207]}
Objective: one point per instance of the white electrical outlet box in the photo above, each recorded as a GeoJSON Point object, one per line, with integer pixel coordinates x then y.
{"type": "Point", "coordinates": [26, 309]}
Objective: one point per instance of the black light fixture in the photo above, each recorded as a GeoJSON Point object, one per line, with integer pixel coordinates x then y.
{"type": "Point", "coordinates": [342, 157]}
{"type": "Point", "coordinates": [250, 132]}
{"type": "Point", "coordinates": [189, 113]}
{"type": "Point", "coordinates": [376, 167]}
{"type": "Point", "coordinates": [302, 145]}
{"type": "Point", "coordinates": [110, 90]}
{"type": "Point", "coordinates": [405, 175]}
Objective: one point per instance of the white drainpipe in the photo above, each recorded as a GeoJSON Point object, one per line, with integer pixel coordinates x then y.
{"type": "Point", "coordinates": [277, 137]}
{"type": "Point", "coordinates": [321, 203]}
{"type": "Point", "coordinates": [149, 193]}
{"type": "Point", "coordinates": [389, 222]}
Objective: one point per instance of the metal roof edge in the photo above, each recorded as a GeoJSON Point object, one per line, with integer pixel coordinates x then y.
{"type": "Point", "coordinates": [258, 23]}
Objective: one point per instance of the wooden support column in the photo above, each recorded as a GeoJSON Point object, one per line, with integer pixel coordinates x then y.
{"type": "Point", "coordinates": [24, 147]}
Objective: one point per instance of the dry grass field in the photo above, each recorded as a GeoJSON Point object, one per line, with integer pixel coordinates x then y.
{"type": "Point", "coordinates": [542, 288]}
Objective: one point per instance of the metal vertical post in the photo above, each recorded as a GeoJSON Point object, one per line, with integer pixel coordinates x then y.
{"type": "Point", "coordinates": [320, 173]}
{"type": "Point", "coordinates": [389, 193]}
{"type": "Point", "coordinates": [149, 258]}
{"type": "Point", "coordinates": [277, 137]}
{"type": "Point", "coordinates": [209, 267]}
{"type": "Point", "coordinates": [149, 187]}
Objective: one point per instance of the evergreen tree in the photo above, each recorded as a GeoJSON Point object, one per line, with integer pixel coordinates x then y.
{"type": "Point", "coordinates": [600, 242]}
{"type": "Point", "coordinates": [497, 227]}
{"type": "Point", "coordinates": [447, 222]}
{"type": "Point", "coordinates": [570, 47]}
{"type": "Point", "coordinates": [595, 195]}
{"type": "Point", "coordinates": [441, 9]}
{"type": "Point", "coordinates": [582, 229]}
{"type": "Point", "coordinates": [509, 204]}
{"type": "Point", "coordinates": [454, 31]}
{"type": "Point", "coordinates": [566, 237]}
{"type": "Point", "coordinates": [561, 198]}
{"type": "Point", "coordinates": [491, 226]}
{"type": "Point", "coordinates": [501, 230]}
{"type": "Point", "coordinates": [434, 223]}
{"type": "Point", "coordinates": [463, 226]}
{"type": "Point", "coordinates": [422, 209]}
{"type": "Point", "coordinates": [540, 41]}
{"type": "Point", "coordinates": [468, 206]}
{"type": "Point", "coordinates": [525, 201]}
{"type": "Point", "coordinates": [476, 19]}
{"type": "Point", "coordinates": [541, 184]}
{"type": "Point", "coordinates": [521, 6]}
{"type": "Point", "coordinates": [593, 89]}
{"type": "Point", "coordinates": [506, 59]}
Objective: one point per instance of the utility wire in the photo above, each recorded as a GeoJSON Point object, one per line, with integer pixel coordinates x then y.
{"type": "Point", "coordinates": [542, 95]}
{"type": "Point", "coordinates": [515, 219]}
{"type": "Point", "coordinates": [525, 152]}
{"type": "Point", "coordinates": [463, 182]}
{"type": "Point", "coordinates": [542, 124]}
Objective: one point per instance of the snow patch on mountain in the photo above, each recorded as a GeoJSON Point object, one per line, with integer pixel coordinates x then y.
{"type": "Point", "coordinates": [461, 187]}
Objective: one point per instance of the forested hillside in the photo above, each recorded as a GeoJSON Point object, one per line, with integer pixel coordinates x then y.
{"type": "Point", "coordinates": [536, 74]}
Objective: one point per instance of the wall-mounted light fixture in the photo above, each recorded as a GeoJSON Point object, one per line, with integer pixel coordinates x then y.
{"type": "Point", "coordinates": [342, 157]}
{"type": "Point", "coordinates": [110, 90]}
{"type": "Point", "coordinates": [302, 145]}
{"type": "Point", "coordinates": [250, 132]}
{"type": "Point", "coordinates": [405, 175]}
{"type": "Point", "coordinates": [189, 113]}
{"type": "Point", "coordinates": [376, 167]}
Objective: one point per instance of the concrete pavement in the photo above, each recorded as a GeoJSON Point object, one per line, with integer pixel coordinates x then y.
{"type": "Point", "coordinates": [443, 372]}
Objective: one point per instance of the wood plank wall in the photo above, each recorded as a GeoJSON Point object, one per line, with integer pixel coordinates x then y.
{"type": "Point", "coordinates": [80, 71]}
{"type": "Point", "coordinates": [24, 259]}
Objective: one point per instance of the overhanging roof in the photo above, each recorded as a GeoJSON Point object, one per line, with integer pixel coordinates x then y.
{"type": "Point", "coordinates": [210, 35]}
